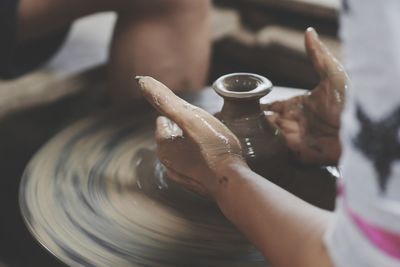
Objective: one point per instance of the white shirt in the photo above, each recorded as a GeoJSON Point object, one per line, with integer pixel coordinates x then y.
{"type": "Point", "coordinates": [366, 232]}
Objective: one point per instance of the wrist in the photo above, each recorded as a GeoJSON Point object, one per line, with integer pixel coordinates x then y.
{"type": "Point", "coordinates": [229, 175]}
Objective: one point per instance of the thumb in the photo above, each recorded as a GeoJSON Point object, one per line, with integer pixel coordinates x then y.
{"type": "Point", "coordinates": [322, 59]}
{"type": "Point", "coordinates": [167, 129]}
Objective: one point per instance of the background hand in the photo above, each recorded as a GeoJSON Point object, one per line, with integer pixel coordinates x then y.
{"type": "Point", "coordinates": [310, 123]}
{"type": "Point", "coordinates": [192, 144]}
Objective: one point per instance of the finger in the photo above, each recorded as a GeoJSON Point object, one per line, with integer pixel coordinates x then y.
{"type": "Point", "coordinates": [166, 102]}
{"type": "Point", "coordinates": [277, 106]}
{"type": "Point", "coordinates": [167, 129]}
{"type": "Point", "coordinates": [323, 61]}
{"type": "Point", "coordinates": [187, 182]}
{"type": "Point", "coordinates": [288, 126]}
{"type": "Point", "coordinates": [163, 130]}
{"type": "Point", "coordinates": [191, 119]}
{"type": "Point", "coordinates": [272, 118]}
{"type": "Point", "coordinates": [293, 140]}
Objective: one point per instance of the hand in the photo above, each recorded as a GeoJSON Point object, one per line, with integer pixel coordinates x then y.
{"type": "Point", "coordinates": [192, 144]}
{"type": "Point", "coordinates": [310, 123]}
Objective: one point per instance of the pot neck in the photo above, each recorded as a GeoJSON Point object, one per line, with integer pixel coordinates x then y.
{"type": "Point", "coordinates": [240, 108]}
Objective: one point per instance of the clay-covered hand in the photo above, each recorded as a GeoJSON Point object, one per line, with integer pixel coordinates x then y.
{"type": "Point", "coordinates": [192, 144]}
{"type": "Point", "coordinates": [311, 122]}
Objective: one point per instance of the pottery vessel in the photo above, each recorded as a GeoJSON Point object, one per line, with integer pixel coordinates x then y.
{"type": "Point", "coordinates": [263, 144]}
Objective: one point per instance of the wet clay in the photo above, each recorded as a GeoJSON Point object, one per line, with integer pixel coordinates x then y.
{"type": "Point", "coordinates": [96, 195]}
{"type": "Point", "coordinates": [311, 121]}
{"type": "Point", "coordinates": [264, 146]}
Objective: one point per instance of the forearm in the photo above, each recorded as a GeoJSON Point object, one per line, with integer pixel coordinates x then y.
{"type": "Point", "coordinates": [169, 40]}
{"type": "Point", "coordinates": [287, 230]}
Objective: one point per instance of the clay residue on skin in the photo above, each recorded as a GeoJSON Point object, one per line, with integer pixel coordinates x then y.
{"type": "Point", "coordinates": [206, 142]}
{"type": "Point", "coordinates": [87, 206]}
{"type": "Point", "coordinates": [317, 128]}
{"type": "Point", "coordinates": [224, 181]}
{"type": "Point", "coordinates": [311, 122]}
{"type": "Point", "coordinates": [217, 133]}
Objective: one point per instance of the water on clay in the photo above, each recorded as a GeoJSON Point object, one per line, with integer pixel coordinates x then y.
{"type": "Point", "coordinates": [96, 195]}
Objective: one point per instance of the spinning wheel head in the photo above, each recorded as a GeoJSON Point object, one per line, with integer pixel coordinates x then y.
{"type": "Point", "coordinates": [95, 195]}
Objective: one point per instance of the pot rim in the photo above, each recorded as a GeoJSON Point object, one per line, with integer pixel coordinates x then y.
{"type": "Point", "coordinates": [264, 86]}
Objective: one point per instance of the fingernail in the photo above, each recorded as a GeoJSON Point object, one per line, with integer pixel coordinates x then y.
{"type": "Point", "coordinates": [140, 81]}
{"type": "Point", "coordinates": [312, 31]}
{"type": "Point", "coordinates": [139, 77]}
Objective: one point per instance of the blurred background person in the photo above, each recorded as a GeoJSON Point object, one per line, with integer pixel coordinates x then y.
{"type": "Point", "coordinates": [155, 37]}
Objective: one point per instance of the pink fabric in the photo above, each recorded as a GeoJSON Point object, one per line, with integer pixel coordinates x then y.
{"type": "Point", "coordinates": [340, 188]}
{"type": "Point", "coordinates": [383, 239]}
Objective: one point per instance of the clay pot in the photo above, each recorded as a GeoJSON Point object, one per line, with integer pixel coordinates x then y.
{"type": "Point", "coordinates": [264, 146]}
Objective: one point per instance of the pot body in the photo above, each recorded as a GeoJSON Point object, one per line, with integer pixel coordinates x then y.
{"type": "Point", "coordinates": [263, 144]}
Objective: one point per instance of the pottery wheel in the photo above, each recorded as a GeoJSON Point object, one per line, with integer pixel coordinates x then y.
{"type": "Point", "coordinates": [95, 195]}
